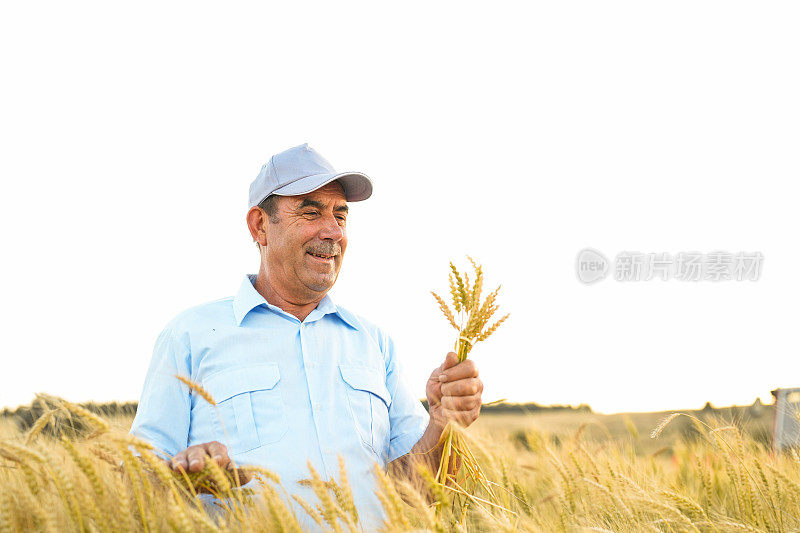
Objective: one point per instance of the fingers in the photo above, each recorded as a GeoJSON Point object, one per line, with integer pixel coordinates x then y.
{"type": "Point", "coordinates": [196, 455]}
{"type": "Point", "coordinates": [462, 370]}
{"type": "Point", "coordinates": [219, 453]}
{"type": "Point", "coordinates": [179, 461]}
{"type": "Point", "coordinates": [460, 403]}
{"type": "Point", "coordinates": [450, 360]}
{"type": "Point", "coordinates": [433, 386]}
{"type": "Point", "coordinates": [462, 387]}
{"type": "Point", "coordinates": [244, 475]}
{"type": "Point", "coordinates": [192, 459]}
{"type": "Point", "coordinates": [455, 391]}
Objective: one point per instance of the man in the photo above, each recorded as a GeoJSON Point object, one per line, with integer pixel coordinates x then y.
{"type": "Point", "coordinates": [297, 378]}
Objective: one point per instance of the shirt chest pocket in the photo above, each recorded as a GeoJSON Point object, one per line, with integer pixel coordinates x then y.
{"type": "Point", "coordinates": [369, 402]}
{"type": "Point", "coordinates": [250, 404]}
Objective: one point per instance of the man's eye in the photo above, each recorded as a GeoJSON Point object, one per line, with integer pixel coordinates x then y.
{"type": "Point", "coordinates": [310, 213]}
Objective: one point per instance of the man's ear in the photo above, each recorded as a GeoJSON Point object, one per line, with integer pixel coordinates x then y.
{"type": "Point", "coordinates": [256, 221]}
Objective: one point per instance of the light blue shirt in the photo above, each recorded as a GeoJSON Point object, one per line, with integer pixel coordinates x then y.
{"type": "Point", "coordinates": [288, 392]}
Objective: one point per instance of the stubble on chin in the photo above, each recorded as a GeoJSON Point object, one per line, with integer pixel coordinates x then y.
{"type": "Point", "coordinates": [321, 282]}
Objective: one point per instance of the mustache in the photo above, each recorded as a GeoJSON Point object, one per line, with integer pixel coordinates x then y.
{"type": "Point", "coordinates": [325, 248]}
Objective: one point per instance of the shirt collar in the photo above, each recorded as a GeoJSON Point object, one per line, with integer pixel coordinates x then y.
{"type": "Point", "coordinates": [248, 298]}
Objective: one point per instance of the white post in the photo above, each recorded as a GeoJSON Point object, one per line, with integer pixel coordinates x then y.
{"type": "Point", "coordinates": [787, 419]}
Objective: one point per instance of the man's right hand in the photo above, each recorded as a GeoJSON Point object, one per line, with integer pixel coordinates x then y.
{"type": "Point", "coordinates": [193, 459]}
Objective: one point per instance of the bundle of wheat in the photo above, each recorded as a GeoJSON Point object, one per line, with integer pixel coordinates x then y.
{"type": "Point", "coordinates": [470, 320]}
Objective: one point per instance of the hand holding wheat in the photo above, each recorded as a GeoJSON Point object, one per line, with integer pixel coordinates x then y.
{"type": "Point", "coordinates": [454, 392]}
{"type": "Point", "coordinates": [456, 397]}
{"type": "Point", "coordinates": [196, 458]}
{"type": "Point", "coordinates": [454, 389]}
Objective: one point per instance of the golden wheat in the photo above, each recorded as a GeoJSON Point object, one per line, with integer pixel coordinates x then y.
{"type": "Point", "coordinates": [721, 479]}
{"type": "Point", "coordinates": [197, 388]}
{"type": "Point", "coordinates": [473, 316]}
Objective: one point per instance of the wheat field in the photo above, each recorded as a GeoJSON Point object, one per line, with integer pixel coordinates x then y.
{"type": "Point", "coordinates": [72, 470]}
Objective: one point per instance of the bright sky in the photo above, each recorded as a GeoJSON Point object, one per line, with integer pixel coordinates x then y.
{"type": "Point", "coordinates": [516, 133]}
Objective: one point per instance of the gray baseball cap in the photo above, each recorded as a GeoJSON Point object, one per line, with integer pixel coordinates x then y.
{"type": "Point", "coordinates": [300, 170]}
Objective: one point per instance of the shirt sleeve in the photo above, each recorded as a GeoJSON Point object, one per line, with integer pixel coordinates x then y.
{"type": "Point", "coordinates": [164, 411]}
{"type": "Point", "coordinates": [407, 417]}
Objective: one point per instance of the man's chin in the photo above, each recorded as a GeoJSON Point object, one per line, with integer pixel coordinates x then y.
{"type": "Point", "coordinates": [319, 279]}
{"type": "Point", "coordinates": [321, 285]}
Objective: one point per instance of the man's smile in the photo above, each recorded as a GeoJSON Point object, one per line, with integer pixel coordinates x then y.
{"type": "Point", "coordinates": [322, 257]}
{"type": "Point", "coordinates": [324, 253]}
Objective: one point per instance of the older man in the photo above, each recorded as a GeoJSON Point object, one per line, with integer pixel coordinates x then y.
{"type": "Point", "coordinates": [296, 377]}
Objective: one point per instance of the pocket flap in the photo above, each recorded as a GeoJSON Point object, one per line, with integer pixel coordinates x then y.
{"type": "Point", "coordinates": [366, 379]}
{"type": "Point", "coordinates": [236, 380]}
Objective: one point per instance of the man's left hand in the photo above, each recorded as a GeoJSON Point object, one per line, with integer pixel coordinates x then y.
{"type": "Point", "coordinates": [454, 392]}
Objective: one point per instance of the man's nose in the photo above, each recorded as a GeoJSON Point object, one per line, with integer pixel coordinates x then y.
{"type": "Point", "coordinates": [331, 229]}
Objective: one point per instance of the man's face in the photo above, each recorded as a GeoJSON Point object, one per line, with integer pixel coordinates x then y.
{"type": "Point", "coordinates": [305, 247]}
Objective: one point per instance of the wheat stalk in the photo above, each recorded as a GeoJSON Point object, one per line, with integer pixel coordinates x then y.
{"type": "Point", "coordinates": [39, 425]}
{"type": "Point", "coordinates": [661, 425]}
{"type": "Point", "coordinates": [197, 388]}
{"type": "Point", "coordinates": [473, 315]}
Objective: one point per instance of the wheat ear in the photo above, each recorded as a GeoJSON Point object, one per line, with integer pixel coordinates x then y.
{"type": "Point", "coordinates": [197, 388]}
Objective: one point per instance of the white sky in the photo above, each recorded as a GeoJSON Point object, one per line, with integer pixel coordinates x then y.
{"type": "Point", "coordinates": [130, 134]}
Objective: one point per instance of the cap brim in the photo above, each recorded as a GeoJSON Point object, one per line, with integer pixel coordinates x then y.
{"type": "Point", "coordinates": [357, 186]}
